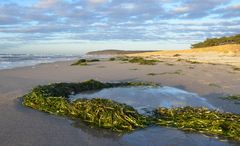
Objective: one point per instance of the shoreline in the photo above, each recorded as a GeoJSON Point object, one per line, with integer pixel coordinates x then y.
{"type": "Point", "coordinates": [24, 126]}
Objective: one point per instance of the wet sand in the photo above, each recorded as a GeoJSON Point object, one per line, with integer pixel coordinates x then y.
{"type": "Point", "coordinates": [24, 126]}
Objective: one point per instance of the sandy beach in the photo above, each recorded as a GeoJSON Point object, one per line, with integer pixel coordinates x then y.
{"type": "Point", "coordinates": [24, 126]}
{"type": "Point", "coordinates": [224, 54]}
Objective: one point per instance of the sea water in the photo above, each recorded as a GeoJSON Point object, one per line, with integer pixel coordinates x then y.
{"type": "Point", "coordinates": [9, 61]}
{"type": "Point", "coordinates": [146, 98]}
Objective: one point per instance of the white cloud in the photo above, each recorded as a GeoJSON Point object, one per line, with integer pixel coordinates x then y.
{"type": "Point", "coordinates": [97, 1]}
{"type": "Point", "coordinates": [128, 6]}
{"type": "Point", "coordinates": [119, 19]}
{"type": "Point", "coordinates": [181, 9]}
{"type": "Point", "coordinates": [46, 3]}
{"type": "Point", "coordinates": [235, 7]}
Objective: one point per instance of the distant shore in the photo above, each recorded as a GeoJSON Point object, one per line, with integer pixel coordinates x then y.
{"type": "Point", "coordinates": [116, 52]}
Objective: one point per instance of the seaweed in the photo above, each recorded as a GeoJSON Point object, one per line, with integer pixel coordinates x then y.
{"type": "Point", "coordinates": [235, 98]}
{"type": "Point", "coordinates": [214, 85]}
{"type": "Point", "coordinates": [201, 120]}
{"type": "Point", "coordinates": [121, 118]}
{"type": "Point", "coordinates": [192, 62]}
{"type": "Point", "coordinates": [177, 72]}
{"type": "Point", "coordinates": [93, 60]}
{"type": "Point", "coordinates": [176, 55]}
{"type": "Point", "coordinates": [112, 59]}
{"type": "Point", "coordinates": [109, 114]}
{"type": "Point", "coordinates": [123, 58]}
{"type": "Point", "coordinates": [102, 113]}
{"type": "Point", "coordinates": [188, 61]}
{"type": "Point", "coordinates": [236, 68]}
{"type": "Point", "coordinates": [142, 61]}
{"type": "Point", "coordinates": [84, 62]}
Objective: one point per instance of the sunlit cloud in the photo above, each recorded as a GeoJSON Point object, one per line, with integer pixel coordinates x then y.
{"type": "Point", "coordinates": [185, 21]}
{"type": "Point", "coordinates": [46, 3]}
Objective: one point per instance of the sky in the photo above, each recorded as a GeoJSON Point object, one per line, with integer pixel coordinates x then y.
{"type": "Point", "coordinates": [79, 26]}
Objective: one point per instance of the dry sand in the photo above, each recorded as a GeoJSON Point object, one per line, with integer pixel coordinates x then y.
{"type": "Point", "coordinates": [23, 126]}
{"type": "Point", "coordinates": [224, 54]}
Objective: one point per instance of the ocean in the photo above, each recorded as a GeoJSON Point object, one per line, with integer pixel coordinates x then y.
{"type": "Point", "coordinates": [9, 61]}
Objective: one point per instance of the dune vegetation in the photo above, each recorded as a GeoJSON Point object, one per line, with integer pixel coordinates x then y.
{"type": "Point", "coordinates": [218, 41]}
{"type": "Point", "coordinates": [121, 118]}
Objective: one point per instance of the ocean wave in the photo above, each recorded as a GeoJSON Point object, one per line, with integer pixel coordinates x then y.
{"type": "Point", "coordinates": [9, 61]}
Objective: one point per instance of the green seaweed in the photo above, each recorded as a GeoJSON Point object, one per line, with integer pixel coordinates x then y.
{"type": "Point", "coordinates": [152, 74]}
{"type": "Point", "coordinates": [188, 61]}
{"type": "Point", "coordinates": [192, 62]}
{"type": "Point", "coordinates": [121, 118]}
{"type": "Point", "coordinates": [84, 62]}
{"type": "Point", "coordinates": [214, 85]}
{"type": "Point", "coordinates": [112, 59]}
{"type": "Point", "coordinates": [123, 58]}
{"type": "Point", "coordinates": [108, 114]}
{"type": "Point", "coordinates": [102, 113]}
{"type": "Point", "coordinates": [233, 97]}
{"type": "Point", "coordinates": [177, 72]}
{"type": "Point", "coordinates": [142, 61]}
{"type": "Point", "coordinates": [201, 120]}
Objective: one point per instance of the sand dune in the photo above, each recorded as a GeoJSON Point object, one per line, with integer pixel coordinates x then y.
{"type": "Point", "coordinates": [224, 54]}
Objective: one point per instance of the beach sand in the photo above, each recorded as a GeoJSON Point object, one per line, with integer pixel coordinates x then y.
{"type": "Point", "coordinates": [24, 126]}
{"type": "Point", "coordinates": [224, 54]}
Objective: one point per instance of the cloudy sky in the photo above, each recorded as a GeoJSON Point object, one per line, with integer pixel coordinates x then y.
{"type": "Point", "coordinates": [76, 26]}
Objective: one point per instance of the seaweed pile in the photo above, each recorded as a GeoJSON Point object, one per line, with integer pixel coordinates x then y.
{"type": "Point", "coordinates": [103, 113]}
{"type": "Point", "coordinates": [84, 62]}
{"type": "Point", "coordinates": [142, 61]}
{"type": "Point", "coordinates": [139, 60]}
{"type": "Point", "coordinates": [201, 120]}
{"type": "Point", "coordinates": [234, 98]}
{"type": "Point", "coordinates": [109, 114]}
{"type": "Point", "coordinates": [122, 118]}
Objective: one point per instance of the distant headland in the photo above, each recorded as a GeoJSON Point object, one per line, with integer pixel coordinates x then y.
{"type": "Point", "coordinates": [116, 52]}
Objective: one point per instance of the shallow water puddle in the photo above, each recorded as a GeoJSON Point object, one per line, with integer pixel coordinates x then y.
{"type": "Point", "coordinates": [146, 98]}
